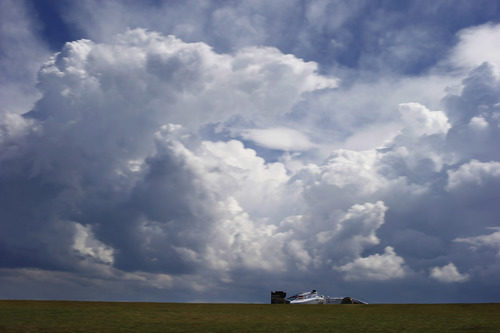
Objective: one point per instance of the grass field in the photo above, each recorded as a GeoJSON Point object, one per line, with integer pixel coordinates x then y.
{"type": "Point", "coordinates": [56, 316]}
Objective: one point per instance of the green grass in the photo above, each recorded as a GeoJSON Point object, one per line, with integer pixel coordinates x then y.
{"type": "Point", "coordinates": [56, 316]}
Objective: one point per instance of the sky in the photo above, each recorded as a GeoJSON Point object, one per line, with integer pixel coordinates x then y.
{"type": "Point", "coordinates": [214, 151]}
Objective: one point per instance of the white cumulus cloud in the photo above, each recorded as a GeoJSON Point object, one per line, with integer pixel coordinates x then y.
{"type": "Point", "coordinates": [421, 121]}
{"type": "Point", "coordinates": [448, 273]}
{"type": "Point", "coordinates": [384, 266]}
{"type": "Point", "coordinates": [476, 45]}
{"type": "Point", "coordinates": [474, 173]}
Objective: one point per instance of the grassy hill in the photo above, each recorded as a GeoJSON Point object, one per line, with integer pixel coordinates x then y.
{"type": "Point", "coordinates": [57, 316]}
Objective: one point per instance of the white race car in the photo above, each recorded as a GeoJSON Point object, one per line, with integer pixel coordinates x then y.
{"type": "Point", "coordinates": [309, 297]}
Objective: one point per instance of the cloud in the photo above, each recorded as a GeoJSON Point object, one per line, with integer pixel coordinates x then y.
{"type": "Point", "coordinates": [421, 121]}
{"type": "Point", "coordinates": [22, 55]}
{"type": "Point", "coordinates": [448, 274]}
{"type": "Point", "coordinates": [384, 266]}
{"type": "Point", "coordinates": [473, 173]}
{"type": "Point", "coordinates": [109, 107]}
{"type": "Point", "coordinates": [491, 240]}
{"type": "Point", "coordinates": [356, 230]}
{"type": "Point", "coordinates": [478, 123]}
{"type": "Point", "coordinates": [477, 45]}
{"type": "Point", "coordinates": [202, 164]}
{"type": "Point", "coordinates": [278, 138]}
{"type": "Point", "coordinates": [12, 128]}
{"type": "Point", "coordinates": [86, 245]}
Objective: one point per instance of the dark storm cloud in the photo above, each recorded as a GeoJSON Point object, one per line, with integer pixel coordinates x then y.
{"type": "Point", "coordinates": [22, 54]}
{"type": "Point", "coordinates": [130, 173]}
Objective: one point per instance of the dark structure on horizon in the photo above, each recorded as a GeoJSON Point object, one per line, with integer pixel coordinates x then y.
{"type": "Point", "coordinates": [279, 297]}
